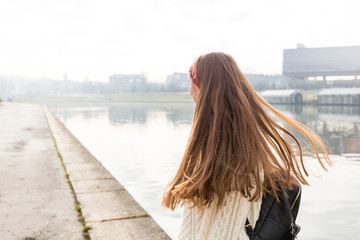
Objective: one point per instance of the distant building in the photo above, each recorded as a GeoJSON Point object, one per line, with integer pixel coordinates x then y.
{"type": "Point", "coordinates": [177, 82]}
{"type": "Point", "coordinates": [127, 83]}
{"type": "Point", "coordinates": [339, 96]}
{"type": "Point", "coordinates": [288, 96]}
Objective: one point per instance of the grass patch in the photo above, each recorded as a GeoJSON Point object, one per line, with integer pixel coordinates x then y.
{"type": "Point", "coordinates": [87, 228]}
{"type": "Point", "coordinates": [78, 208]}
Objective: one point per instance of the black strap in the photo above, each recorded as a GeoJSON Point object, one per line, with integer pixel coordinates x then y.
{"type": "Point", "coordinates": [249, 229]}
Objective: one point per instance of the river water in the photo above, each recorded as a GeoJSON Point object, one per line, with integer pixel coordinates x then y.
{"type": "Point", "coordinates": [142, 144]}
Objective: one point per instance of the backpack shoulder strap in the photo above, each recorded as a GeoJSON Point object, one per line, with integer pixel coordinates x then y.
{"type": "Point", "coordinates": [266, 205]}
{"type": "Point", "coordinates": [292, 200]}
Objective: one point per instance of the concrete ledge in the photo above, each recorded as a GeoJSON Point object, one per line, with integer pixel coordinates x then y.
{"type": "Point", "coordinates": [96, 185]}
{"type": "Point", "coordinates": [106, 205]}
{"type": "Point", "coordinates": [101, 206]}
{"type": "Point", "coordinates": [141, 228]}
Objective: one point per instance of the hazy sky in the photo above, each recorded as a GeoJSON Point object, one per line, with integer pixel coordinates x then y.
{"type": "Point", "coordinates": [92, 39]}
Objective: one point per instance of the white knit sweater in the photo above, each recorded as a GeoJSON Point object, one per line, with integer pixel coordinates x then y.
{"type": "Point", "coordinates": [225, 224]}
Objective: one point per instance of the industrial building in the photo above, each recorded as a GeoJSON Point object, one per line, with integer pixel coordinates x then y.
{"type": "Point", "coordinates": [287, 96]}
{"type": "Point", "coordinates": [339, 96]}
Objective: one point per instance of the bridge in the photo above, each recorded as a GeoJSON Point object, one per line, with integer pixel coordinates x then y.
{"type": "Point", "coordinates": [301, 63]}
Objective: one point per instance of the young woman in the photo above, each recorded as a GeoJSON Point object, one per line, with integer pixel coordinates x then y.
{"type": "Point", "coordinates": [236, 153]}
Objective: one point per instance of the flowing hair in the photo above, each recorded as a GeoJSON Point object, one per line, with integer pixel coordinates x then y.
{"type": "Point", "coordinates": [234, 144]}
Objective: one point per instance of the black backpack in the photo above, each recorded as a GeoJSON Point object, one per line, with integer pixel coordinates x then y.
{"type": "Point", "coordinates": [277, 219]}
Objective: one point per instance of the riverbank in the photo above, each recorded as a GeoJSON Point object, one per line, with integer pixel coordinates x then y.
{"type": "Point", "coordinates": [52, 184]}
{"type": "Point", "coordinates": [340, 96]}
{"type": "Point", "coordinates": [161, 97]}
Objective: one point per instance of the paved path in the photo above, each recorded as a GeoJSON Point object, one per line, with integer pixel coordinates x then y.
{"type": "Point", "coordinates": [35, 199]}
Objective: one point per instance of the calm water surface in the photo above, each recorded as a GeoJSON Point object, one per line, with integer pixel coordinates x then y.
{"type": "Point", "coordinates": [142, 144]}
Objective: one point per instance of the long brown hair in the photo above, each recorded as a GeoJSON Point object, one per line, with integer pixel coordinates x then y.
{"type": "Point", "coordinates": [234, 143]}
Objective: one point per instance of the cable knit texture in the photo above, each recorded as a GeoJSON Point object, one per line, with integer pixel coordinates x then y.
{"type": "Point", "coordinates": [226, 223]}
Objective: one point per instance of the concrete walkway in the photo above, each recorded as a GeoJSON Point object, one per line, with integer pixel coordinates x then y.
{"type": "Point", "coordinates": [35, 200]}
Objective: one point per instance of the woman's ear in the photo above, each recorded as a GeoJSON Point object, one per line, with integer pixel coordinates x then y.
{"type": "Point", "coordinates": [194, 91]}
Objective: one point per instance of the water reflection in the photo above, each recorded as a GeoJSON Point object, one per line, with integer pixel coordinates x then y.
{"type": "Point", "coordinates": [340, 110]}
{"type": "Point", "coordinates": [137, 113]}
{"type": "Point", "coordinates": [87, 110]}
{"type": "Point", "coordinates": [338, 126]}
{"type": "Point", "coordinates": [180, 116]}
{"type": "Point", "coordinates": [127, 114]}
